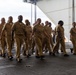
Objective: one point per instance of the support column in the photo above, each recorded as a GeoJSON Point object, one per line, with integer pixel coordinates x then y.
{"type": "Point", "coordinates": [35, 10]}
{"type": "Point", "coordinates": [73, 11]}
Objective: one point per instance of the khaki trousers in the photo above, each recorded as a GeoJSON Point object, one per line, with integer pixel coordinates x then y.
{"type": "Point", "coordinates": [3, 44]}
{"type": "Point", "coordinates": [9, 45]}
{"type": "Point", "coordinates": [19, 39]}
{"type": "Point", "coordinates": [58, 42]}
{"type": "Point", "coordinates": [38, 42]}
{"type": "Point", "coordinates": [74, 45]}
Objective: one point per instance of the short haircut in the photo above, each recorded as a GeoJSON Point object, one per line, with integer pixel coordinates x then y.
{"type": "Point", "coordinates": [61, 22]}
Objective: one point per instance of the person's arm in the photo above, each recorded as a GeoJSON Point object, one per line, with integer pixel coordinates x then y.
{"type": "Point", "coordinates": [71, 34]}
{"type": "Point", "coordinates": [12, 32]}
{"type": "Point", "coordinates": [3, 29]}
{"type": "Point", "coordinates": [46, 34]}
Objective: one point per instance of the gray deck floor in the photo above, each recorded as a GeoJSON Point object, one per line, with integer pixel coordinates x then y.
{"type": "Point", "coordinates": [51, 65]}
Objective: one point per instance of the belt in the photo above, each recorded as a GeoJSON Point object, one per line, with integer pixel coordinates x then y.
{"type": "Point", "coordinates": [20, 34]}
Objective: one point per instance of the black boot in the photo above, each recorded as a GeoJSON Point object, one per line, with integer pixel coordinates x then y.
{"type": "Point", "coordinates": [10, 57]}
{"type": "Point", "coordinates": [37, 56]}
{"type": "Point", "coordinates": [50, 53]}
{"type": "Point", "coordinates": [42, 57]}
{"type": "Point", "coordinates": [18, 60]}
{"type": "Point", "coordinates": [66, 55]}
{"type": "Point", "coordinates": [28, 55]}
{"type": "Point", "coordinates": [4, 55]}
{"type": "Point", "coordinates": [53, 54]}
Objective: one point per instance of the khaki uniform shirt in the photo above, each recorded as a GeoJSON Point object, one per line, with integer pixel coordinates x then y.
{"type": "Point", "coordinates": [48, 30]}
{"type": "Point", "coordinates": [73, 33]}
{"type": "Point", "coordinates": [60, 32]}
{"type": "Point", "coordinates": [19, 29]}
{"type": "Point", "coordinates": [1, 26]}
{"type": "Point", "coordinates": [38, 31]}
{"type": "Point", "coordinates": [28, 29]}
{"type": "Point", "coordinates": [1, 29]}
{"type": "Point", "coordinates": [8, 29]}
